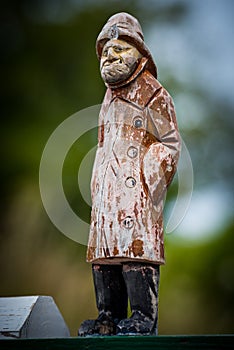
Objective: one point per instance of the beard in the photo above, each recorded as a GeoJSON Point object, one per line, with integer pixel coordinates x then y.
{"type": "Point", "coordinates": [117, 71]}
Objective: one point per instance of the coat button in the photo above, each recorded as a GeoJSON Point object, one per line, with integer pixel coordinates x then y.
{"type": "Point", "coordinates": [128, 222]}
{"type": "Point", "coordinates": [138, 122]}
{"type": "Point", "coordinates": [130, 182]}
{"type": "Point", "coordinates": [132, 152]}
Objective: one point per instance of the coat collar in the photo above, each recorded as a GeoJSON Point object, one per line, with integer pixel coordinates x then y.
{"type": "Point", "coordinates": [139, 90]}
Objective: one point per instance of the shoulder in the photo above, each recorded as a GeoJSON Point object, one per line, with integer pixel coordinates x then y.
{"type": "Point", "coordinates": [149, 81]}
{"type": "Point", "coordinates": [148, 86]}
{"type": "Point", "coordinates": [162, 103]}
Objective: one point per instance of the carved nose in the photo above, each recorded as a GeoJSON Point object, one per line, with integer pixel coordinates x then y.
{"type": "Point", "coordinates": [112, 55]}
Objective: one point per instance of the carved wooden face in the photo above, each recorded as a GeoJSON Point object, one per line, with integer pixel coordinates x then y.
{"type": "Point", "coordinates": [118, 61]}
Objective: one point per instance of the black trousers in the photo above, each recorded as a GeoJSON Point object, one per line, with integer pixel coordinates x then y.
{"type": "Point", "coordinates": [136, 281]}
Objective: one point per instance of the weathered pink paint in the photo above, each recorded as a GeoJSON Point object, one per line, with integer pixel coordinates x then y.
{"type": "Point", "coordinates": [136, 158]}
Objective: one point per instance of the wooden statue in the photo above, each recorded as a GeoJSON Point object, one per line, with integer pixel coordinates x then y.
{"type": "Point", "coordinates": [136, 158]}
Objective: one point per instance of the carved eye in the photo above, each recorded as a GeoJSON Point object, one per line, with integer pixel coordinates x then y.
{"type": "Point", "coordinates": [118, 49]}
{"type": "Point", "coordinates": [104, 52]}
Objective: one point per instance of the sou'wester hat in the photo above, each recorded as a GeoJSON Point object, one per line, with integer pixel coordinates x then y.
{"type": "Point", "coordinates": [125, 27]}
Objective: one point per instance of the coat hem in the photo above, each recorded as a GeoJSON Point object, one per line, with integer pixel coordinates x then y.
{"type": "Point", "coordinates": [120, 260]}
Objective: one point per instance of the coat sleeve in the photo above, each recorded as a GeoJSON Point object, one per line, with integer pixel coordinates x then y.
{"type": "Point", "coordinates": [161, 158]}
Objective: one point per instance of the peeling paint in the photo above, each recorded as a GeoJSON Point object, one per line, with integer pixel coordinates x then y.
{"type": "Point", "coordinates": [137, 247]}
{"type": "Point", "coordinates": [126, 220]}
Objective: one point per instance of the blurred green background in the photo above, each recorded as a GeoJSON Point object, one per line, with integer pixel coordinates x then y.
{"type": "Point", "coordinates": [50, 71]}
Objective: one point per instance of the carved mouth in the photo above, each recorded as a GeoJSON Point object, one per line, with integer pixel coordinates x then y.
{"type": "Point", "coordinates": [111, 63]}
{"type": "Point", "coordinates": [114, 69]}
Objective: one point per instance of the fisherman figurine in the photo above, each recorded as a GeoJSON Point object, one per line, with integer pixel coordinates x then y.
{"type": "Point", "coordinates": [136, 159]}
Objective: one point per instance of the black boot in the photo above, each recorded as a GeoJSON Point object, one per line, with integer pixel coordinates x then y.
{"type": "Point", "coordinates": [142, 281]}
{"type": "Point", "coordinates": [111, 300]}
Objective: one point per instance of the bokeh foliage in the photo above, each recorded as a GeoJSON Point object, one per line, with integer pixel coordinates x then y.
{"type": "Point", "coordinates": [50, 71]}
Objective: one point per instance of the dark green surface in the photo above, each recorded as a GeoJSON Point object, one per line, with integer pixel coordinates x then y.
{"type": "Point", "coordinates": [125, 342]}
